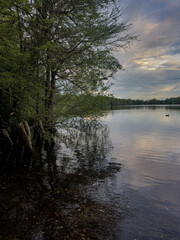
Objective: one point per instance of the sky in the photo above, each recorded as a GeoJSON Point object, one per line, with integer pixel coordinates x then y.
{"type": "Point", "coordinates": [151, 64]}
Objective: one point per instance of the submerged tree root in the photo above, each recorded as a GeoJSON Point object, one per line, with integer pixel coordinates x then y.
{"type": "Point", "coordinates": [6, 135]}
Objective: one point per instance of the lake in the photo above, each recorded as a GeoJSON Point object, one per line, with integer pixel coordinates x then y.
{"type": "Point", "coordinates": [117, 178]}
{"type": "Point", "coordinates": [147, 143]}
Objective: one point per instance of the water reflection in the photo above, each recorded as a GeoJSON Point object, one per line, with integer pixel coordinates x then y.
{"type": "Point", "coordinates": [78, 188]}
{"type": "Point", "coordinates": [146, 142]}
{"type": "Point", "coordinates": [48, 195]}
{"type": "Point", "coordinates": [153, 107]}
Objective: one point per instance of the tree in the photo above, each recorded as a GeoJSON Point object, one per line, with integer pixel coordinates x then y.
{"type": "Point", "coordinates": [77, 41]}
{"type": "Point", "coordinates": [52, 47]}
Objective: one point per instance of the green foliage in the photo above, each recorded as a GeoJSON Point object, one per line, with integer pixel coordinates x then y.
{"type": "Point", "coordinates": [80, 105]}
{"type": "Point", "coordinates": [116, 102]}
{"type": "Point", "coordinates": [51, 51]}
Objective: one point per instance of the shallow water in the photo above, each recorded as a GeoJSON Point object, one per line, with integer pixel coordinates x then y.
{"type": "Point", "coordinates": [147, 143]}
{"type": "Point", "coordinates": [118, 179]}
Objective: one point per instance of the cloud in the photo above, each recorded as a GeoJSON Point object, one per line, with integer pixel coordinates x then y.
{"type": "Point", "coordinates": [164, 89]}
{"type": "Point", "coordinates": [145, 84]}
{"type": "Point", "coordinates": [152, 65]}
{"type": "Point", "coordinates": [159, 62]}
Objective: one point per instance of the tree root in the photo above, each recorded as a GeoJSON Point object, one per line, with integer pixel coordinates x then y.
{"type": "Point", "coordinates": [6, 135]}
{"type": "Point", "coordinates": [25, 132]}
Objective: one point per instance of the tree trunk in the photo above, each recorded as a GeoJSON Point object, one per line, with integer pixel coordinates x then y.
{"type": "Point", "coordinates": [41, 126]}
{"type": "Point", "coordinates": [51, 97]}
{"type": "Point", "coordinates": [51, 100]}
{"type": "Point", "coordinates": [20, 31]}
{"type": "Point", "coordinates": [25, 133]}
{"type": "Point", "coordinates": [47, 86]}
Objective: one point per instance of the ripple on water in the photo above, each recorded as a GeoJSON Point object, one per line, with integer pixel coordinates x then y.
{"type": "Point", "coordinates": [148, 145]}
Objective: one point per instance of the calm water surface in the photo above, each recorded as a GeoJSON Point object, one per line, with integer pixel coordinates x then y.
{"type": "Point", "coordinates": [147, 143]}
{"type": "Point", "coordinates": [115, 180]}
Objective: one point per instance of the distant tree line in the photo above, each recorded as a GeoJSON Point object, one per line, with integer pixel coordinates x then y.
{"type": "Point", "coordinates": [100, 102]}
{"type": "Point", "coordinates": [117, 102]}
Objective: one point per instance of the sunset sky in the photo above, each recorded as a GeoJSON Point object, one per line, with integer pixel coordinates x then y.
{"type": "Point", "coordinates": [152, 64]}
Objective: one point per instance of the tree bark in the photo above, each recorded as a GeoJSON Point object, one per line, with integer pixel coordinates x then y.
{"type": "Point", "coordinates": [47, 86]}
{"type": "Point", "coordinates": [51, 101]}
{"type": "Point", "coordinates": [25, 133]}
{"type": "Point", "coordinates": [41, 126]}
{"type": "Point", "coordinates": [53, 84]}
